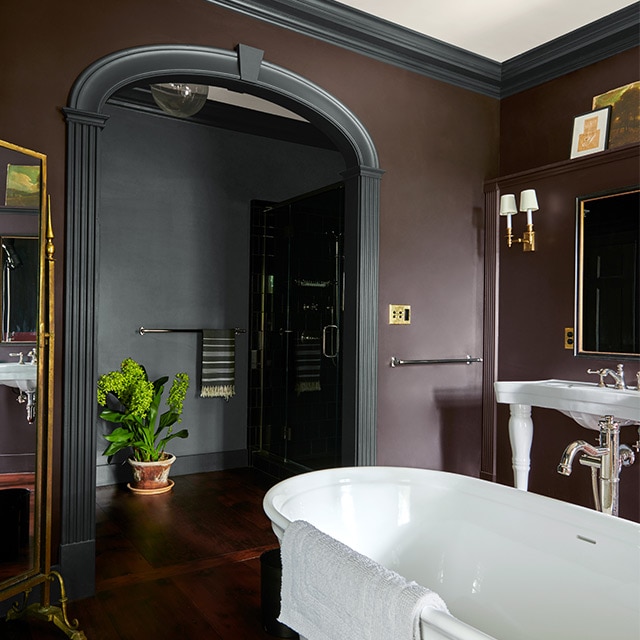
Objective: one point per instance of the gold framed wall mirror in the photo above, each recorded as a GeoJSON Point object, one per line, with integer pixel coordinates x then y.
{"type": "Point", "coordinates": [26, 388]}
{"type": "Point", "coordinates": [608, 274]}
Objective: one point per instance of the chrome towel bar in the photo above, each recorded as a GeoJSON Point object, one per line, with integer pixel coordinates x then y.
{"type": "Point", "coordinates": [142, 330]}
{"type": "Point", "coordinates": [396, 362]}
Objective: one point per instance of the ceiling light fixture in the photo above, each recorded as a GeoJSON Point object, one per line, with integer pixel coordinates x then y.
{"type": "Point", "coordinates": [179, 99]}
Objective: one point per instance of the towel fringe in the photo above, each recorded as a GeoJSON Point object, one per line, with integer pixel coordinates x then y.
{"type": "Point", "coordinates": [225, 391]}
{"type": "Point", "coordinates": [302, 387]}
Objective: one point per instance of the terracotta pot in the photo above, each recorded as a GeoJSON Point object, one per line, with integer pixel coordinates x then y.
{"type": "Point", "coordinates": [152, 477]}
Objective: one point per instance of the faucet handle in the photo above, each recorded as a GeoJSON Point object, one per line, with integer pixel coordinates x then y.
{"type": "Point", "coordinates": [620, 383]}
{"type": "Point", "coordinates": [18, 355]}
{"type": "Point", "coordinates": [599, 372]}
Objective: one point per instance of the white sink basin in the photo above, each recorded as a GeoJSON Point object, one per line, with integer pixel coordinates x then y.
{"type": "Point", "coordinates": [585, 402]}
{"type": "Point", "coordinates": [20, 376]}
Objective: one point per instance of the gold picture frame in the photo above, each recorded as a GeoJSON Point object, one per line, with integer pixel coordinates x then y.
{"type": "Point", "coordinates": [624, 101]}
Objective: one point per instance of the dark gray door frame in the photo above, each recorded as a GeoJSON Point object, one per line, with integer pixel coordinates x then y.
{"type": "Point", "coordinates": [246, 71]}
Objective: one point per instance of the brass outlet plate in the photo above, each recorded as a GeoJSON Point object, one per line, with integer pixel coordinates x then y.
{"type": "Point", "coordinates": [569, 338]}
{"type": "Point", "coordinates": [399, 314]}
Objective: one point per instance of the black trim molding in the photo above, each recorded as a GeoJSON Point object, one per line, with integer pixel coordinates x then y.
{"type": "Point", "coordinates": [357, 31]}
{"type": "Point", "coordinates": [245, 71]}
{"type": "Point", "coordinates": [590, 44]}
{"type": "Point", "coordinates": [360, 32]}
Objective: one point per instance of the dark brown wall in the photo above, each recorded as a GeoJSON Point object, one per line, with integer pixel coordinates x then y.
{"type": "Point", "coordinates": [437, 145]}
{"type": "Point", "coordinates": [537, 289]}
{"type": "Point", "coordinates": [536, 125]}
{"type": "Point", "coordinates": [431, 258]}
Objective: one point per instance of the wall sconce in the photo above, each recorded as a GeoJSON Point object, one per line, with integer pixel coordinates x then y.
{"type": "Point", "coordinates": [528, 203]}
{"type": "Point", "coordinates": [179, 99]}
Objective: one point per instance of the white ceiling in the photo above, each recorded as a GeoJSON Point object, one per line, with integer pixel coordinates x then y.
{"type": "Point", "coordinates": [495, 29]}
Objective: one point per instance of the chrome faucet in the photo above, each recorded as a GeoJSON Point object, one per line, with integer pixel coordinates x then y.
{"type": "Point", "coordinates": [18, 355]}
{"type": "Point", "coordinates": [618, 376]}
{"type": "Point", "coordinates": [608, 458]}
{"type": "Point", "coordinates": [579, 446]}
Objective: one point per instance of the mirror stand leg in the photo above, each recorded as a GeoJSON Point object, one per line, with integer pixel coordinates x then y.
{"type": "Point", "coordinates": [49, 613]}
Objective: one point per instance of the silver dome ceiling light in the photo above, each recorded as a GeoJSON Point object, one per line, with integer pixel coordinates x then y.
{"type": "Point", "coordinates": [180, 99]}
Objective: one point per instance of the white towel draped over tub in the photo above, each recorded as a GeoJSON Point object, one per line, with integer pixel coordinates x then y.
{"type": "Point", "coordinates": [331, 592]}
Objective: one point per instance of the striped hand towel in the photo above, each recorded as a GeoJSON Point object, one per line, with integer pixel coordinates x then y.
{"type": "Point", "coordinates": [218, 363]}
{"type": "Point", "coordinates": [308, 355]}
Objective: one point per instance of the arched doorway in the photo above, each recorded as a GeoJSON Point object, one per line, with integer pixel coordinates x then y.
{"type": "Point", "coordinates": [243, 70]}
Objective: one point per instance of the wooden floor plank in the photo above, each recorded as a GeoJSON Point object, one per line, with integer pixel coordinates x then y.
{"type": "Point", "coordinates": [156, 609]}
{"type": "Point", "coordinates": [229, 597]}
{"type": "Point", "coordinates": [185, 564]}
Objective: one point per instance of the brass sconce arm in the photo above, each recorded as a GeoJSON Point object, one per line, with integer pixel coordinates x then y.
{"type": "Point", "coordinates": [528, 240]}
{"type": "Point", "coordinates": [528, 203]}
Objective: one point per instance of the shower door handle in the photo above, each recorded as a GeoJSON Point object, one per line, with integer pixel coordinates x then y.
{"type": "Point", "coordinates": [333, 329]}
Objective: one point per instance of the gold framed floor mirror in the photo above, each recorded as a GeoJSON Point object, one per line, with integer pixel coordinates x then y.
{"type": "Point", "coordinates": [27, 344]}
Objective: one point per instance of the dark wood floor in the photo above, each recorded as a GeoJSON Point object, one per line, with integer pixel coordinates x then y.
{"type": "Point", "coordinates": [183, 565]}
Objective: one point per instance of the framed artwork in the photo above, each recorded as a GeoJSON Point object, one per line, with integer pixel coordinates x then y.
{"type": "Point", "coordinates": [23, 186]}
{"type": "Point", "coordinates": [625, 113]}
{"type": "Point", "coordinates": [590, 132]}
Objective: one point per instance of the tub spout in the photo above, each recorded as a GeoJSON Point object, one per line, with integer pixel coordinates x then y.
{"type": "Point", "coordinates": [607, 460]}
{"type": "Point", "coordinates": [579, 446]}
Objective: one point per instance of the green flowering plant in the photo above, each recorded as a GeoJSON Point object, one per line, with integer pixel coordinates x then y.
{"type": "Point", "coordinates": [131, 400]}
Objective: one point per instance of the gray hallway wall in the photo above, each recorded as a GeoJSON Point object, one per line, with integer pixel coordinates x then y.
{"type": "Point", "coordinates": [174, 253]}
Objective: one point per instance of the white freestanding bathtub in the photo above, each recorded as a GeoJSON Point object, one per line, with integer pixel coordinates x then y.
{"type": "Point", "coordinates": [509, 564]}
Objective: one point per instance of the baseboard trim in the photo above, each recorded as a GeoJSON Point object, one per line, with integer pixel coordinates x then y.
{"type": "Point", "coordinates": [184, 465]}
{"type": "Point", "coordinates": [77, 567]}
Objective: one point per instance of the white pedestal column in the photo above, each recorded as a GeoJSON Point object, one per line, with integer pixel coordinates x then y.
{"type": "Point", "coordinates": [521, 437]}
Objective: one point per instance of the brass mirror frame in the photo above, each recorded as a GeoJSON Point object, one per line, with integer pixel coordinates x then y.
{"type": "Point", "coordinates": [32, 576]}
{"type": "Point", "coordinates": [41, 573]}
{"type": "Point", "coordinates": [581, 201]}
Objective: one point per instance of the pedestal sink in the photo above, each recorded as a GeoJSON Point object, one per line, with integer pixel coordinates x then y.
{"type": "Point", "coordinates": [585, 402]}
{"type": "Point", "coordinates": [20, 376]}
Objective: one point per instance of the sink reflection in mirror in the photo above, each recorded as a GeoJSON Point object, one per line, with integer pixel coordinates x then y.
{"type": "Point", "coordinates": [20, 376]}
{"type": "Point", "coordinates": [23, 377]}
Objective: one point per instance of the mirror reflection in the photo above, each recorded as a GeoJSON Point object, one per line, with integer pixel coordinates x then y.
{"type": "Point", "coordinates": [22, 179]}
{"type": "Point", "coordinates": [609, 273]}
{"type": "Point", "coordinates": [19, 288]}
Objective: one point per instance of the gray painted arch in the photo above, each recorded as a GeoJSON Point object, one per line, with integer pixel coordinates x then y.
{"type": "Point", "coordinates": [244, 70]}
{"type": "Point", "coordinates": [225, 68]}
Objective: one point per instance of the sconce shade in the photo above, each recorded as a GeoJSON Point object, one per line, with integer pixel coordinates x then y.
{"type": "Point", "coordinates": [508, 205]}
{"type": "Point", "coordinates": [179, 99]}
{"type": "Point", "coordinates": [528, 200]}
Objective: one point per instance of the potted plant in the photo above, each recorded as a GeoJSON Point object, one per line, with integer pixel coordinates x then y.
{"type": "Point", "coordinates": [132, 401]}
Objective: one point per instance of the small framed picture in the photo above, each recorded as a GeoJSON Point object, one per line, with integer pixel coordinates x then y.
{"type": "Point", "coordinates": [590, 132]}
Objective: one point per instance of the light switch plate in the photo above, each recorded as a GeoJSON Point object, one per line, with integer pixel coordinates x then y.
{"type": "Point", "coordinates": [399, 314]}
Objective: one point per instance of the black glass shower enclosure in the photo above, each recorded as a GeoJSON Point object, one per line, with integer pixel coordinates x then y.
{"type": "Point", "coordinates": [297, 304]}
